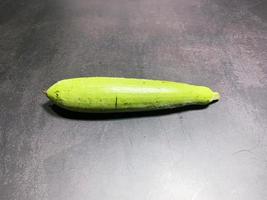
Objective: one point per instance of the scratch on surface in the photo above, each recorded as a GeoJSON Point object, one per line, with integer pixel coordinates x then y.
{"type": "Point", "coordinates": [242, 151]}
{"type": "Point", "coordinates": [130, 140]}
{"type": "Point", "coordinates": [196, 194]}
{"type": "Point", "coordinates": [183, 129]}
{"type": "Point", "coordinates": [165, 133]}
{"type": "Point", "coordinates": [102, 135]}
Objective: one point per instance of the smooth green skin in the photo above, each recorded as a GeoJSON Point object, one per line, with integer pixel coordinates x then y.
{"type": "Point", "coordinates": [105, 94]}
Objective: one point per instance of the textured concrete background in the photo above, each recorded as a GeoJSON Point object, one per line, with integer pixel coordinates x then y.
{"type": "Point", "coordinates": [215, 153]}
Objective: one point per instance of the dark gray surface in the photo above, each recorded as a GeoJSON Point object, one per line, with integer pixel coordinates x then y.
{"type": "Point", "coordinates": [215, 153]}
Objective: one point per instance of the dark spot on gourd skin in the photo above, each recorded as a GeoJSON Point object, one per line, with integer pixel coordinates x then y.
{"type": "Point", "coordinates": [57, 93]}
{"type": "Point", "coordinates": [116, 102]}
{"type": "Point", "coordinates": [58, 99]}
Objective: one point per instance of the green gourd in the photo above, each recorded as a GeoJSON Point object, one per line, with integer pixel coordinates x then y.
{"type": "Point", "coordinates": [106, 94]}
